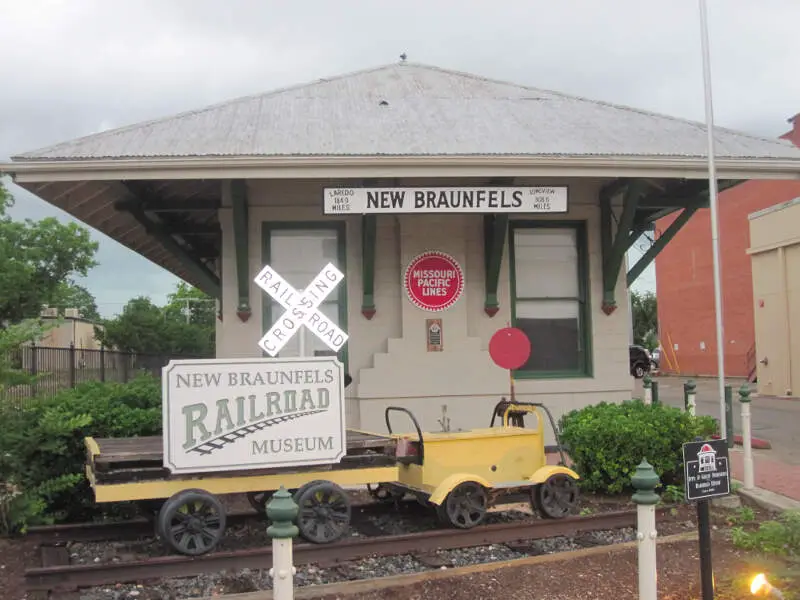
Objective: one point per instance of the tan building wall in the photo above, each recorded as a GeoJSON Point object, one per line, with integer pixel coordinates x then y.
{"type": "Point", "coordinates": [72, 331]}
{"type": "Point", "coordinates": [388, 357]}
{"type": "Point", "coordinates": [775, 254]}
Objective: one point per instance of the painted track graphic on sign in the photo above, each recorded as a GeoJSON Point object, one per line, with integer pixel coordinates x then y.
{"type": "Point", "coordinates": [223, 440]}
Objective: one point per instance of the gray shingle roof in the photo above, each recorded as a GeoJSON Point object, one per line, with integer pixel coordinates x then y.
{"type": "Point", "coordinates": [411, 109]}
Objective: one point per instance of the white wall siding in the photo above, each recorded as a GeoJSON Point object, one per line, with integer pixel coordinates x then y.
{"type": "Point", "coordinates": [387, 355]}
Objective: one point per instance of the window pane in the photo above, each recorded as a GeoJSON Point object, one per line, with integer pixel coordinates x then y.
{"type": "Point", "coordinates": [299, 255]}
{"type": "Point", "coordinates": [313, 345]}
{"type": "Point", "coordinates": [546, 263]}
{"type": "Point", "coordinates": [553, 328]}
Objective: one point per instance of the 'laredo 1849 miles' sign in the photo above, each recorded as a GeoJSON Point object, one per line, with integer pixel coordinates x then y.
{"type": "Point", "coordinates": [544, 199]}
{"type": "Point", "coordinates": [236, 414]}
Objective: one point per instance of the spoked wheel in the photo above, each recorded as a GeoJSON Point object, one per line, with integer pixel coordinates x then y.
{"type": "Point", "coordinates": [385, 493]}
{"type": "Point", "coordinates": [556, 497]}
{"type": "Point", "coordinates": [324, 512]}
{"type": "Point", "coordinates": [192, 522]}
{"type": "Point", "coordinates": [465, 506]}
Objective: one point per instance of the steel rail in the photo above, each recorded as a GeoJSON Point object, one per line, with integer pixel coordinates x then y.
{"type": "Point", "coordinates": [70, 577]}
{"type": "Point", "coordinates": [102, 531]}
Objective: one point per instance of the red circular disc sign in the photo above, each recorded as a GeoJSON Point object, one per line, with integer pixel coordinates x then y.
{"type": "Point", "coordinates": [434, 281]}
{"type": "Point", "coordinates": [509, 348]}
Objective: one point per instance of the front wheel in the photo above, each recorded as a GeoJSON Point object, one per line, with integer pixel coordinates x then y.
{"type": "Point", "coordinates": [556, 497]}
{"type": "Point", "coordinates": [465, 506]}
{"type": "Point", "coordinates": [639, 371]}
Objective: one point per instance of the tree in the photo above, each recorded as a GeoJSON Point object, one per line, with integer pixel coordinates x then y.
{"type": "Point", "coordinates": [645, 319]}
{"type": "Point", "coordinates": [12, 338]}
{"type": "Point", "coordinates": [35, 257]}
{"type": "Point", "coordinates": [200, 307]}
{"type": "Point", "coordinates": [145, 328]}
{"type": "Point", "coordinates": [72, 295]}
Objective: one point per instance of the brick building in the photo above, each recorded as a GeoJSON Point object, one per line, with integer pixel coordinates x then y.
{"type": "Point", "coordinates": [685, 281]}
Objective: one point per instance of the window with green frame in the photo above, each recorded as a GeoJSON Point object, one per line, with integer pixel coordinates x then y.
{"type": "Point", "coordinates": [549, 291]}
{"type": "Point", "coordinates": [298, 252]}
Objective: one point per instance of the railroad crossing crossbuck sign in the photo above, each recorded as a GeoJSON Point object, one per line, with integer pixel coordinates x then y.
{"type": "Point", "coordinates": [301, 309]}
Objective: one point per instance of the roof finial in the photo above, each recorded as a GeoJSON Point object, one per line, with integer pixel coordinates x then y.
{"type": "Point", "coordinates": [403, 57]}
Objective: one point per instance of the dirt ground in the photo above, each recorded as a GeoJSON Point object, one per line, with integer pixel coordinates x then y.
{"type": "Point", "coordinates": [609, 576]}
{"type": "Point", "coordinates": [606, 576]}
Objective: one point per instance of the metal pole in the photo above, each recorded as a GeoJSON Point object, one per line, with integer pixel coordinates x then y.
{"type": "Point", "coordinates": [712, 200]}
{"type": "Point", "coordinates": [704, 539]}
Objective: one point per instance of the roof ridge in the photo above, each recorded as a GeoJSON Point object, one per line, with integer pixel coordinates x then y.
{"type": "Point", "coordinates": [610, 104]}
{"type": "Point", "coordinates": [404, 64]}
{"type": "Point", "coordinates": [196, 111]}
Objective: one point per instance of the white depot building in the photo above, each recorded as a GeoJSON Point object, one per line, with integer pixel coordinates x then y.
{"type": "Point", "coordinates": [454, 205]}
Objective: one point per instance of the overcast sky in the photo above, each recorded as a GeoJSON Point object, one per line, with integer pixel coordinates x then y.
{"type": "Point", "coordinates": [74, 67]}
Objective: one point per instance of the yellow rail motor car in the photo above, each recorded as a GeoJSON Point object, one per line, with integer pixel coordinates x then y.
{"type": "Point", "coordinates": [463, 474]}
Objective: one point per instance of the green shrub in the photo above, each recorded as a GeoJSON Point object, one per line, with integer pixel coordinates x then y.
{"type": "Point", "coordinates": [607, 441]}
{"type": "Point", "coordinates": [781, 536]}
{"type": "Point", "coordinates": [42, 451]}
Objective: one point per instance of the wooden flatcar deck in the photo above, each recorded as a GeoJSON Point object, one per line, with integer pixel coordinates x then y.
{"type": "Point", "coordinates": [123, 460]}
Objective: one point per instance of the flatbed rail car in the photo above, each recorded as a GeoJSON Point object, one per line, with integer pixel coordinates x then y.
{"type": "Point", "coordinates": [187, 513]}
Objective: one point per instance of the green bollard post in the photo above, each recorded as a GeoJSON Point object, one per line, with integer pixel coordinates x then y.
{"type": "Point", "coordinates": [645, 481]}
{"type": "Point", "coordinates": [655, 393]}
{"type": "Point", "coordinates": [729, 415]}
{"type": "Point", "coordinates": [689, 396]}
{"type": "Point", "coordinates": [282, 511]}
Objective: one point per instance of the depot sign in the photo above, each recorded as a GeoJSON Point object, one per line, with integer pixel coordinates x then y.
{"type": "Point", "coordinates": [434, 281]}
{"type": "Point", "coordinates": [542, 199]}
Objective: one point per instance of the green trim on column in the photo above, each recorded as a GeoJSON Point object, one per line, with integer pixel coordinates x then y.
{"type": "Point", "coordinates": [494, 241]}
{"type": "Point", "coordinates": [659, 244]}
{"type": "Point", "coordinates": [609, 302]}
{"type": "Point", "coordinates": [612, 263]}
{"type": "Point", "coordinates": [341, 250]}
{"type": "Point", "coordinates": [241, 241]}
{"type": "Point", "coordinates": [368, 245]}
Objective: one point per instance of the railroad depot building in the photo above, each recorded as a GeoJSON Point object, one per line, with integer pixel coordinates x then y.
{"type": "Point", "coordinates": [454, 205]}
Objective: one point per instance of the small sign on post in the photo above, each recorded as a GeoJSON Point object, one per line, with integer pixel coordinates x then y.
{"type": "Point", "coordinates": [510, 348]}
{"type": "Point", "coordinates": [706, 468]}
{"type": "Point", "coordinates": [707, 471]}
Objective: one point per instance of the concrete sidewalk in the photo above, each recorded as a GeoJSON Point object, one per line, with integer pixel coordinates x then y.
{"type": "Point", "coordinates": [777, 483]}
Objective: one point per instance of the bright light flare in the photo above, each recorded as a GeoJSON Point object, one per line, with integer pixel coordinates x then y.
{"type": "Point", "coordinates": [759, 582]}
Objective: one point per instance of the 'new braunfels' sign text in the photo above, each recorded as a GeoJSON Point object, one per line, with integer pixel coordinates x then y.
{"type": "Point", "coordinates": [236, 414]}
{"type": "Point", "coordinates": [542, 199]}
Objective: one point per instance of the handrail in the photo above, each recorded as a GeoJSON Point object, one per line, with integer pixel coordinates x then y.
{"type": "Point", "coordinates": [416, 426]}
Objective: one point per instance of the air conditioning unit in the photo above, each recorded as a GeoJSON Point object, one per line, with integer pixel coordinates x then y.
{"type": "Point", "coordinates": [50, 311]}
{"type": "Point", "coordinates": [71, 313]}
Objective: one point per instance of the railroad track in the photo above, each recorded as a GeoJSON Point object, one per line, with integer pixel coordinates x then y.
{"type": "Point", "coordinates": [66, 577]}
{"type": "Point", "coordinates": [142, 528]}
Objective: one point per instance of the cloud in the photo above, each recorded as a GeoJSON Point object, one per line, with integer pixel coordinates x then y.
{"type": "Point", "coordinates": [71, 68]}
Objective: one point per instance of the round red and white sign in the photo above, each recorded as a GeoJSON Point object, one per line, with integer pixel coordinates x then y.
{"type": "Point", "coordinates": [434, 281]}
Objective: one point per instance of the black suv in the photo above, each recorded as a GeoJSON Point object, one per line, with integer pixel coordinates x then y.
{"type": "Point", "coordinates": [640, 360]}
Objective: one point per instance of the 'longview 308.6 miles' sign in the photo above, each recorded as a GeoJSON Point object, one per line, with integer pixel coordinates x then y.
{"type": "Point", "coordinates": [543, 199]}
{"type": "Point", "coordinates": [236, 414]}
